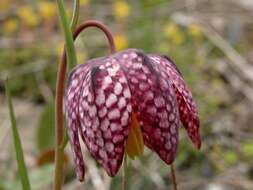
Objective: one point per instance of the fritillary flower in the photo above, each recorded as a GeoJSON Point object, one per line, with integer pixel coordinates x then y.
{"type": "Point", "coordinates": [124, 101]}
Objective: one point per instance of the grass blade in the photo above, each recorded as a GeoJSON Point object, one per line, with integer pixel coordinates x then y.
{"type": "Point", "coordinates": [75, 15]}
{"type": "Point", "coordinates": [71, 55]}
{"type": "Point", "coordinates": [18, 147]}
{"type": "Point", "coordinates": [73, 24]}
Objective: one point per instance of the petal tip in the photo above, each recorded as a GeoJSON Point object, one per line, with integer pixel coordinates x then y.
{"type": "Point", "coordinates": [81, 178]}
{"type": "Point", "coordinates": [80, 174]}
{"type": "Point", "coordinates": [197, 141]}
{"type": "Point", "coordinates": [111, 172]}
{"type": "Point", "coordinates": [198, 145]}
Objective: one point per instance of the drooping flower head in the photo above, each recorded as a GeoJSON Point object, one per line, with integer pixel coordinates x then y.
{"type": "Point", "coordinates": [124, 101]}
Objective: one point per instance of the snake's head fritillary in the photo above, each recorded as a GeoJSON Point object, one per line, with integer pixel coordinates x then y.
{"type": "Point", "coordinates": [186, 105]}
{"type": "Point", "coordinates": [124, 101]}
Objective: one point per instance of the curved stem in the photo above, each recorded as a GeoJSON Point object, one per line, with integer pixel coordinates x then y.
{"type": "Point", "coordinates": [60, 93]}
{"type": "Point", "coordinates": [173, 176]}
{"type": "Point", "coordinates": [59, 130]}
{"type": "Point", "coordinates": [100, 25]}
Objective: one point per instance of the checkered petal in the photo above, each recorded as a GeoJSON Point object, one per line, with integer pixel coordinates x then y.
{"type": "Point", "coordinates": [154, 103]}
{"type": "Point", "coordinates": [104, 111]}
{"type": "Point", "coordinates": [104, 94]}
{"type": "Point", "coordinates": [72, 118]}
{"type": "Point", "coordinates": [187, 107]}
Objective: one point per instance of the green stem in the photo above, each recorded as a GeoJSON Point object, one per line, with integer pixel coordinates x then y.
{"type": "Point", "coordinates": [17, 142]}
{"type": "Point", "coordinates": [72, 60]}
{"type": "Point", "coordinates": [173, 176]}
{"type": "Point", "coordinates": [124, 174]}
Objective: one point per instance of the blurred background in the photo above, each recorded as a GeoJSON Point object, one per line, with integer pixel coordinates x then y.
{"type": "Point", "coordinates": [211, 42]}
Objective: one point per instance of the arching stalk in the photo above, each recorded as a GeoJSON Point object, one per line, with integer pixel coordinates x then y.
{"type": "Point", "coordinates": [60, 93]}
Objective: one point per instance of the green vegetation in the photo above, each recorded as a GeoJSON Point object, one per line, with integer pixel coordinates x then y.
{"type": "Point", "coordinates": [31, 43]}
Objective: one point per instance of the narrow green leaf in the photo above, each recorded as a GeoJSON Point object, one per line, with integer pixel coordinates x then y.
{"type": "Point", "coordinates": [72, 60]}
{"type": "Point", "coordinates": [74, 21]}
{"type": "Point", "coordinates": [75, 15]}
{"type": "Point", "coordinates": [18, 147]}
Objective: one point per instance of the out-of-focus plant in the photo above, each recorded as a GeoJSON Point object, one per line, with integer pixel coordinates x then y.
{"type": "Point", "coordinates": [174, 34]}
{"type": "Point", "coordinates": [247, 149]}
{"type": "Point", "coordinates": [10, 26]}
{"type": "Point", "coordinates": [5, 5]}
{"type": "Point", "coordinates": [121, 41]}
{"type": "Point", "coordinates": [121, 9]}
{"type": "Point", "coordinates": [84, 2]}
{"type": "Point", "coordinates": [47, 9]}
{"type": "Point", "coordinates": [195, 31]}
{"type": "Point", "coordinates": [28, 16]}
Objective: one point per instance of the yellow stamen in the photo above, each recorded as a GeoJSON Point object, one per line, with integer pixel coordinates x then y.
{"type": "Point", "coordinates": [135, 145]}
